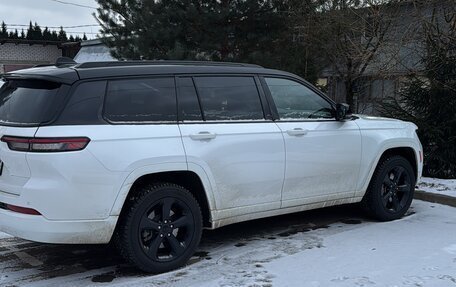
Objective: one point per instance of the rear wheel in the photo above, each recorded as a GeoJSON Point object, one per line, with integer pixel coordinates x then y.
{"type": "Point", "coordinates": [161, 228]}
{"type": "Point", "coordinates": [391, 189]}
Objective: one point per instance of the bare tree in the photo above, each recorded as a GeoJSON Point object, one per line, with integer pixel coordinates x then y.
{"type": "Point", "coordinates": [347, 35]}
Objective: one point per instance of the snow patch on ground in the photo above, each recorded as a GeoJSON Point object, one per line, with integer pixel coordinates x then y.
{"type": "Point", "coordinates": [440, 186]}
{"type": "Point", "coordinates": [418, 250]}
{"type": "Point", "coordinates": [406, 252]}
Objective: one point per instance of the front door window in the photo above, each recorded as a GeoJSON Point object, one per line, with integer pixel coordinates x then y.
{"type": "Point", "coordinates": [295, 101]}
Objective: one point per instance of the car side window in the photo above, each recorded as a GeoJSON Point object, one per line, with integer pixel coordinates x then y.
{"type": "Point", "coordinates": [141, 100]}
{"type": "Point", "coordinates": [296, 101]}
{"type": "Point", "coordinates": [84, 105]}
{"type": "Point", "coordinates": [229, 98]}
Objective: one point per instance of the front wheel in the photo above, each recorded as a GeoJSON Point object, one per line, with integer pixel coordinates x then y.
{"type": "Point", "coordinates": [390, 192]}
{"type": "Point", "coordinates": [161, 228]}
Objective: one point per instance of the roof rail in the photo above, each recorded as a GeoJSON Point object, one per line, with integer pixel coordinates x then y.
{"type": "Point", "coordinates": [162, 62]}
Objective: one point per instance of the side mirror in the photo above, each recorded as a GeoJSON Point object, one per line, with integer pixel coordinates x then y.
{"type": "Point", "coordinates": [342, 112]}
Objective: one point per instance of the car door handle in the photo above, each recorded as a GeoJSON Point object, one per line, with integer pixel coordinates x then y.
{"type": "Point", "coordinates": [203, 136]}
{"type": "Point", "coordinates": [297, 132]}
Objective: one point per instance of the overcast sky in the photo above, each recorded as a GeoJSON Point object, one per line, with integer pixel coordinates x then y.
{"type": "Point", "coordinates": [50, 13]}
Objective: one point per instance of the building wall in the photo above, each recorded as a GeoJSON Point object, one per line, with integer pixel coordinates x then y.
{"type": "Point", "coordinates": [15, 56]}
{"type": "Point", "coordinates": [5, 68]}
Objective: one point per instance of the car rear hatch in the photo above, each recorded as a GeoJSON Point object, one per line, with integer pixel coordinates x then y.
{"type": "Point", "coordinates": [25, 104]}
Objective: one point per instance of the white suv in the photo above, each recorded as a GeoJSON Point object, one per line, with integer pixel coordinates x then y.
{"type": "Point", "coordinates": [150, 153]}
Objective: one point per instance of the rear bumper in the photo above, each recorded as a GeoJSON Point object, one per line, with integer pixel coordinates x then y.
{"type": "Point", "coordinates": [39, 229]}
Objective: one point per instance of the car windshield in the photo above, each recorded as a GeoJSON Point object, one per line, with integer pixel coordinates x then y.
{"type": "Point", "coordinates": [26, 102]}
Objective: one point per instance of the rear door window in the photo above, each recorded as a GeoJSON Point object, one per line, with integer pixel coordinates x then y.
{"type": "Point", "coordinates": [141, 100]}
{"type": "Point", "coordinates": [27, 102]}
{"type": "Point", "coordinates": [228, 98]}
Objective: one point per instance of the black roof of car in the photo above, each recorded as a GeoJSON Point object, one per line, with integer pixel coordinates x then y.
{"type": "Point", "coordinates": [69, 72]}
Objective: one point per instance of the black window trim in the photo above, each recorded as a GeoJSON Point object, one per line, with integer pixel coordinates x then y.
{"type": "Point", "coordinates": [138, 122]}
{"type": "Point", "coordinates": [274, 111]}
{"type": "Point", "coordinates": [267, 115]}
{"type": "Point", "coordinates": [178, 91]}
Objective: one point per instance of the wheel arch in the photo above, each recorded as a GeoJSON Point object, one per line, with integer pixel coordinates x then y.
{"type": "Point", "coordinates": [406, 150]}
{"type": "Point", "coordinates": [198, 185]}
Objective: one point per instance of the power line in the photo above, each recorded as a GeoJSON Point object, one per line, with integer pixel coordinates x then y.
{"type": "Point", "coordinates": [70, 32]}
{"type": "Point", "coordinates": [74, 4]}
{"type": "Point", "coordinates": [57, 27]}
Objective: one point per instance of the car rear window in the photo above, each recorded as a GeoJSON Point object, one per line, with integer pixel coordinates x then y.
{"type": "Point", "coordinates": [27, 102]}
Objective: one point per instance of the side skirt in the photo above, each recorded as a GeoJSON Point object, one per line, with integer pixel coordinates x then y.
{"type": "Point", "coordinates": [256, 215]}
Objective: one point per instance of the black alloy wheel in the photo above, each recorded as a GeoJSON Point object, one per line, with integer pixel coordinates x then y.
{"type": "Point", "coordinates": [396, 189]}
{"type": "Point", "coordinates": [159, 228]}
{"type": "Point", "coordinates": [390, 192]}
{"type": "Point", "coordinates": [166, 229]}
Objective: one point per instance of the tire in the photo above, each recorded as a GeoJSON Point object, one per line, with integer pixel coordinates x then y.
{"type": "Point", "coordinates": [160, 228]}
{"type": "Point", "coordinates": [390, 192]}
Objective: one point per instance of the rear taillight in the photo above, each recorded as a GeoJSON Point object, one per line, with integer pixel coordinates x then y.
{"type": "Point", "coordinates": [23, 210]}
{"type": "Point", "coordinates": [45, 144]}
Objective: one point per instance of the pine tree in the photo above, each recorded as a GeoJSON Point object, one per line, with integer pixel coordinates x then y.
{"type": "Point", "coordinates": [84, 37]}
{"type": "Point", "coordinates": [62, 36]}
{"type": "Point", "coordinates": [71, 39]}
{"type": "Point", "coordinates": [37, 33]}
{"type": "Point", "coordinates": [4, 31]}
{"type": "Point", "coordinates": [13, 35]}
{"type": "Point", "coordinates": [30, 32]}
{"type": "Point", "coordinates": [16, 34]}
{"type": "Point", "coordinates": [54, 36]}
{"type": "Point", "coordinates": [192, 29]}
{"type": "Point", "coordinates": [22, 34]}
{"type": "Point", "coordinates": [430, 101]}
{"type": "Point", "coordinates": [47, 36]}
